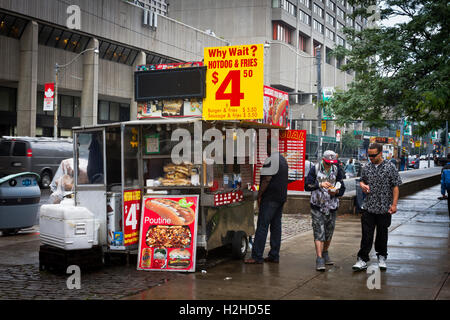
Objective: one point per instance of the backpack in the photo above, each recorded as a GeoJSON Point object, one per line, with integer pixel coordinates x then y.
{"type": "Point", "coordinates": [446, 178]}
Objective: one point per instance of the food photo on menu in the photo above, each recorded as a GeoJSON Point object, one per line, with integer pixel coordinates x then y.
{"type": "Point", "coordinates": [168, 230]}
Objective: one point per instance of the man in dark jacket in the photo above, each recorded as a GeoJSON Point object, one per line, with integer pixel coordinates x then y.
{"type": "Point", "coordinates": [272, 195]}
{"type": "Point", "coordinates": [326, 183]}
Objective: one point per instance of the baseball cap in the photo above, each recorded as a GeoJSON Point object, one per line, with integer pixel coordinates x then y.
{"type": "Point", "coordinates": [330, 157]}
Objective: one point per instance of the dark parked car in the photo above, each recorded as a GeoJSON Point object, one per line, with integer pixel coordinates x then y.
{"type": "Point", "coordinates": [38, 155]}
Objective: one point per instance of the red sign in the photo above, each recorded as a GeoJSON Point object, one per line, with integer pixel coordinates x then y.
{"type": "Point", "coordinates": [228, 198]}
{"type": "Point", "coordinates": [292, 146]}
{"type": "Point", "coordinates": [168, 234]}
{"type": "Point", "coordinates": [338, 135]}
{"type": "Point", "coordinates": [276, 103]}
{"type": "Point", "coordinates": [49, 94]}
{"type": "Point", "coordinates": [131, 216]}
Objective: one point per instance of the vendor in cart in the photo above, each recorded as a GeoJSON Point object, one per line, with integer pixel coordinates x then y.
{"type": "Point", "coordinates": [95, 160]}
{"type": "Point", "coordinates": [272, 195]}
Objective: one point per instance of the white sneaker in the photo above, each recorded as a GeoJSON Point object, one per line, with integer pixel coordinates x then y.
{"type": "Point", "coordinates": [382, 263]}
{"type": "Point", "coordinates": [359, 265]}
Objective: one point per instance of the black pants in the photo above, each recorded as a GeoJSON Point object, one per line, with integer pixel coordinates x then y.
{"type": "Point", "coordinates": [370, 221]}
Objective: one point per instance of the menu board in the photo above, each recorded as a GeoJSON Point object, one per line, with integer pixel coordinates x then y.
{"type": "Point", "coordinates": [168, 234]}
{"type": "Point", "coordinates": [292, 146]}
{"type": "Point", "coordinates": [131, 217]}
{"type": "Point", "coordinates": [276, 103]}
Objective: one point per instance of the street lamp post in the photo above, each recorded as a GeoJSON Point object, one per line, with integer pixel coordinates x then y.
{"type": "Point", "coordinates": [57, 67]}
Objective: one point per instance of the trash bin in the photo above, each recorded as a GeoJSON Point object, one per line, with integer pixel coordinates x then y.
{"type": "Point", "coordinates": [360, 196]}
{"type": "Point", "coordinates": [19, 201]}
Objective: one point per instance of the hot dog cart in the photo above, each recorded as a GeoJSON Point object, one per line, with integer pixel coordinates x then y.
{"type": "Point", "coordinates": [118, 165]}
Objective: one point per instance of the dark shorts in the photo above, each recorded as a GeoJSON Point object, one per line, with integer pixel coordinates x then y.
{"type": "Point", "coordinates": [323, 225]}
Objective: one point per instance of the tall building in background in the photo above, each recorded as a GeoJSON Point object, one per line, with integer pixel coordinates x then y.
{"type": "Point", "coordinates": [94, 87]}
{"type": "Point", "coordinates": [158, 6]}
{"type": "Point", "coordinates": [291, 31]}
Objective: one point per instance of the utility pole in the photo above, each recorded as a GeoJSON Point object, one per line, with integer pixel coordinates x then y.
{"type": "Point", "coordinates": [55, 111]}
{"type": "Point", "coordinates": [319, 103]}
{"type": "Point", "coordinates": [57, 67]}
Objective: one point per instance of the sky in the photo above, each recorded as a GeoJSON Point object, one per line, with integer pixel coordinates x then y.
{"type": "Point", "coordinates": [393, 20]}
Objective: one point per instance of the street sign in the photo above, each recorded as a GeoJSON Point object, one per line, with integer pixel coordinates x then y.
{"type": "Point", "coordinates": [324, 126]}
{"type": "Point", "coordinates": [338, 135]}
{"type": "Point", "coordinates": [407, 128]}
{"type": "Point", "coordinates": [327, 94]}
{"type": "Point", "coordinates": [234, 83]}
{"type": "Point", "coordinates": [397, 133]}
{"type": "Point", "coordinates": [49, 95]}
{"type": "Point", "coordinates": [417, 144]}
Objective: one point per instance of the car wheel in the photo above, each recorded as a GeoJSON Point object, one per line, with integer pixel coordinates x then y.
{"type": "Point", "coordinates": [46, 180]}
{"type": "Point", "coordinates": [239, 245]}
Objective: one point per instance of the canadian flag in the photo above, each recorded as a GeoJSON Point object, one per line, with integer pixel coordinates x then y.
{"type": "Point", "coordinates": [49, 94]}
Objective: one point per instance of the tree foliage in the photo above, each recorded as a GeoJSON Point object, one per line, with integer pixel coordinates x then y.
{"type": "Point", "coordinates": [401, 70]}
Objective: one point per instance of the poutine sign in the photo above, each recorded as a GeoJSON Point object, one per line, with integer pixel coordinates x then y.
{"type": "Point", "coordinates": [234, 82]}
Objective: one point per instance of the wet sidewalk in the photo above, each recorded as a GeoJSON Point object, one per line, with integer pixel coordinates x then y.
{"type": "Point", "coordinates": [418, 264]}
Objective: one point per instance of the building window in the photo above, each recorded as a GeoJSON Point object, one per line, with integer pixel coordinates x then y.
{"type": "Point", "coordinates": [349, 8]}
{"type": "Point", "coordinates": [318, 10]}
{"type": "Point", "coordinates": [303, 43]}
{"type": "Point", "coordinates": [103, 110]}
{"type": "Point", "coordinates": [66, 106]}
{"type": "Point", "coordinates": [341, 13]}
{"type": "Point", "coordinates": [282, 32]}
{"type": "Point", "coordinates": [328, 56]}
{"type": "Point", "coordinates": [330, 4]}
{"type": "Point", "coordinates": [109, 111]}
{"type": "Point", "coordinates": [349, 21]}
{"type": "Point", "coordinates": [330, 34]}
{"type": "Point", "coordinates": [318, 26]}
{"type": "Point", "coordinates": [306, 3]}
{"type": "Point", "coordinates": [341, 2]}
{"type": "Point", "coordinates": [305, 18]}
{"type": "Point", "coordinates": [358, 27]}
{"type": "Point", "coordinates": [286, 5]}
{"type": "Point", "coordinates": [315, 47]}
{"type": "Point", "coordinates": [7, 99]}
{"type": "Point", "coordinates": [330, 19]}
{"type": "Point", "coordinates": [12, 26]}
{"type": "Point", "coordinates": [340, 26]}
{"type": "Point", "coordinates": [340, 41]}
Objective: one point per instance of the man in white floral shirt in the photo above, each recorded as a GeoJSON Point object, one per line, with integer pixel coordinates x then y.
{"type": "Point", "coordinates": [380, 182]}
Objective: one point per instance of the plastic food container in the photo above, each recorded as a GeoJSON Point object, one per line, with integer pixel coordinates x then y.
{"type": "Point", "coordinates": [67, 226]}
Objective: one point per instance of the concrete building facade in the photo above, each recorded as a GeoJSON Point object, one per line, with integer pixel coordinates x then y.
{"type": "Point", "coordinates": [291, 31]}
{"type": "Point", "coordinates": [96, 61]}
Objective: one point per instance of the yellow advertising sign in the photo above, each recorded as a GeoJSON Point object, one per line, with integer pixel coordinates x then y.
{"type": "Point", "coordinates": [324, 126]}
{"type": "Point", "coordinates": [397, 133]}
{"type": "Point", "coordinates": [417, 143]}
{"type": "Point", "coordinates": [234, 83]}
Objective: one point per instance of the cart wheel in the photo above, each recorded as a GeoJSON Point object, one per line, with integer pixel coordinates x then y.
{"type": "Point", "coordinates": [239, 245]}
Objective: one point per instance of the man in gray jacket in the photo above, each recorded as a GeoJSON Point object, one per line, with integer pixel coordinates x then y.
{"type": "Point", "coordinates": [326, 183]}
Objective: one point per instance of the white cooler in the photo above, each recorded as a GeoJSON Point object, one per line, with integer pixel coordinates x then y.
{"type": "Point", "coordinates": [68, 227]}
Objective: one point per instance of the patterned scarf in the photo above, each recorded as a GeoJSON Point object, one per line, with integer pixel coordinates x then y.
{"type": "Point", "coordinates": [320, 197]}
